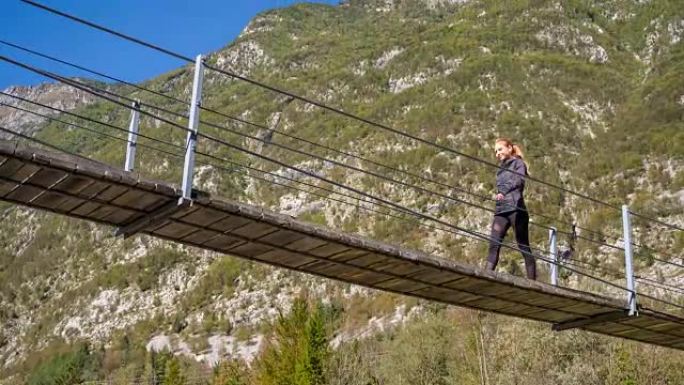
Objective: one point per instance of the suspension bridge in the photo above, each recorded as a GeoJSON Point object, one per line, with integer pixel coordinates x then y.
{"type": "Point", "coordinates": [96, 192]}
{"type": "Point", "coordinates": [73, 185]}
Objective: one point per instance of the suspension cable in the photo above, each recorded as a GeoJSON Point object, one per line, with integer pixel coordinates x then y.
{"type": "Point", "coordinates": [241, 166]}
{"type": "Point", "coordinates": [480, 236]}
{"type": "Point", "coordinates": [328, 148]}
{"type": "Point", "coordinates": [94, 90]}
{"type": "Point", "coordinates": [333, 109]}
{"type": "Point", "coordinates": [83, 118]}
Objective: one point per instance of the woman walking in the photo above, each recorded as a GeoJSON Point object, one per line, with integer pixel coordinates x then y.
{"type": "Point", "coordinates": [510, 207]}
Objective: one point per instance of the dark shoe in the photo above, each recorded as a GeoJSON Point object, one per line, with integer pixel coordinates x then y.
{"type": "Point", "coordinates": [531, 271]}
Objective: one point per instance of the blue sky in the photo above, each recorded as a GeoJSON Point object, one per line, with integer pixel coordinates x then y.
{"type": "Point", "coordinates": [185, 26]}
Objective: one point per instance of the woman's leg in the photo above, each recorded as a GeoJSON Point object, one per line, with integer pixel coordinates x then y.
{"type": "Point", "coordinates": [500, 226]}
{"type": "Point", "coordinates": [522, 236]}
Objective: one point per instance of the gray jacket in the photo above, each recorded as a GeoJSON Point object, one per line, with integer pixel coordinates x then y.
{"type": "Point", "coordinates": [511, 185]}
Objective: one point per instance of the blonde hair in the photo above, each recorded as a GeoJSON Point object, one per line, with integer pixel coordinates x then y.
{"type": "Point", "coordinates": [517, 150]}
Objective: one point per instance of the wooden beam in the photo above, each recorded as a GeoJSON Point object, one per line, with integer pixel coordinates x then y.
{"type": "Point", "coordinates": [598, 319]}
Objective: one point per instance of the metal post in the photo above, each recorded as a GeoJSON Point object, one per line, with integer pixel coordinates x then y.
{"type": "Point", "coordinates": [629, 270]}
{"type": "Point", "coordinates": [193, 123]}
{"type": "Point", "coordinates": [553, 250]}
{"type": "Point", "coordinates": [132, 137]}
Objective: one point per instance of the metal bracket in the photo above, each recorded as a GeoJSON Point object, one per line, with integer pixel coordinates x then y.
{"type": "Point", "coordinates": [595, 320]}
{"type": "Point", "coordinates": [154, 218]}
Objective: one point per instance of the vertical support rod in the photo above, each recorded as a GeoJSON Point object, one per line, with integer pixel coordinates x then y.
{"type": "Point", "coordinates": [629, 270]}
{"type": "Point", "coordinates": [553, 250]}
{"type": "Point", "coordinates": [193, 123]}
{"type": "Point", "coordinates": [132, 137]}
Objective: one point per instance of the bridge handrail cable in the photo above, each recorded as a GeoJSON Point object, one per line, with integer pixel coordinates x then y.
{"type": "Point", "coordinates": [328, 148]}
{"type": "Point", "coordinates": [333, 109]}
{"type": "Point", "coordinates": [98, 91]}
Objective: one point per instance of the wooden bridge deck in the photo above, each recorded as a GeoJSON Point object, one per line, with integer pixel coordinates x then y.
{"type": "Point", "coordinates": [93, 191]}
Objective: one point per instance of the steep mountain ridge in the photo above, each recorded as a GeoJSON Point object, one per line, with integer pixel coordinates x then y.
{"type": "Point", "coordinates": [53, 95]}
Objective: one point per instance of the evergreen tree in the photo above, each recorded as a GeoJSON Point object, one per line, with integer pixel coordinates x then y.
{"type": "Point", "coordinates": [173, 374]}
{"type": "Point", "coordinates": [232, 372]}
{"type": "Point", "coordinates": [64, 369]}
{"type": "Point", "coordinates": [298, 351]}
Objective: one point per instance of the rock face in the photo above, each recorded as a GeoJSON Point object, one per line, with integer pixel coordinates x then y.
{"type": "Point", "coordinates": [58, 96]}
{"type": "Point", "coordinates": [577, 87]}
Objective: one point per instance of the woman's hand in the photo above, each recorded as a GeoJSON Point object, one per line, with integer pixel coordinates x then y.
{"type": "Point", "coordinates": [499, 197]}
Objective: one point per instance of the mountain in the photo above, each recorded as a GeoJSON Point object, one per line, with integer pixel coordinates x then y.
{"type": "Point", "coordinates": [594, 91]}
{"type": "Point", "coordinates": [57, 96]}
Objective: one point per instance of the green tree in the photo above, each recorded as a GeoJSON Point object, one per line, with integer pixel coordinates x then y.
{"type": "Point", "coordinates": [173, 375]}
{"type": "Point", "coordinates": [66, 368]}
{"type": "Point", "coordinates": [231, 372]}
{"type": "Point", "coordinates": [155, 367]}
{"type": "Point", "coordinates": [298, 351]}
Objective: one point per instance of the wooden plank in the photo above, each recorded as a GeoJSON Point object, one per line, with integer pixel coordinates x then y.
{"type": "Point", "coordinates": [552, 316]}
{"type": "Point", "coordinates": [284, 258]}
{"type": "Point", "coordinates": [102, 212]}
{"type": "Point", "coordinates": [121, 216]}
{"type": "Point", "coordinates": [200, 237]}
{"type": "Point", "coordinates": [367, 278]}
{"type": "Point", "coordinates": [139, 200]}
{"type": "Point", "coordinates": [368, 259]}
{"type": "Point", "coordinates": [446, 295]}
{"type": "Point", "coordinates": [23, 173]}
{"type": "Point", "coordinates": [348, 255]}
{"type": "Point", "coordinates": [6, 186]}
{"type": "Point", "coordinates": [281, 237]}
{"type": "Point", "coordinates": [402, 285]}
{"type": "Point", "coordinates": [655, 325]}
{"type": "Point", "coordinates": [86, 208]}
{"type": "Point", "coordinates": [584, 309]}
{"type": "Point", "coordinates": [47, 177]}
{"type": "Point", "coordinates": [111, 193]}
{"type": "Point", "coordinates": [10, 166]}
{"type": "Point", "coordinates": [489, 303]}
{"type": "Point", "coordinates": [91, 191]}
{"type": "Point", "coordinates": [229, 223]}
{"type": "Point", "coordinates": [52, 200]}
{"type": "Point", "coordinates": [305, 244]}
{"type": "Point", "coordinates": [522, 310]}
{"type": "Point", "coordinates": [204, 217]}
{"type": "Point", "coordinates": [545, 300]}
{"type": "Point", "coordinates": [611, 316]}
{"type": "Point", "coordinates": [481, 286]}
{"type": "Point", "coordinates": [223, 242]}
{"type": "Point", "coordinates": [174, 229]}
{"type": "Point", "coordinates": [328, 250]}
{"type": "Point", "coordinates": [398, 267]}
{"type": "Point", "coordinates": [70, 204]}
{"type": "Point", "coordinates": [332, 269]}
{"type": "Point", "coordinates": [668, 327]}
{"type": "Point", "coordinates": [254, 230]}
{"type": "Point", "coordinates": [74, 184]}
{"type": "Point", "coordinates": [250, 249]}
{"type": "Point", "coordinates": [24, 193]}
{"type": "Point", "coordinates": [641, 334]}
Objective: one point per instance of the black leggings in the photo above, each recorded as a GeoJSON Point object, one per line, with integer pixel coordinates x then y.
{"type": "Point", "coordinates": [520, 221]}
